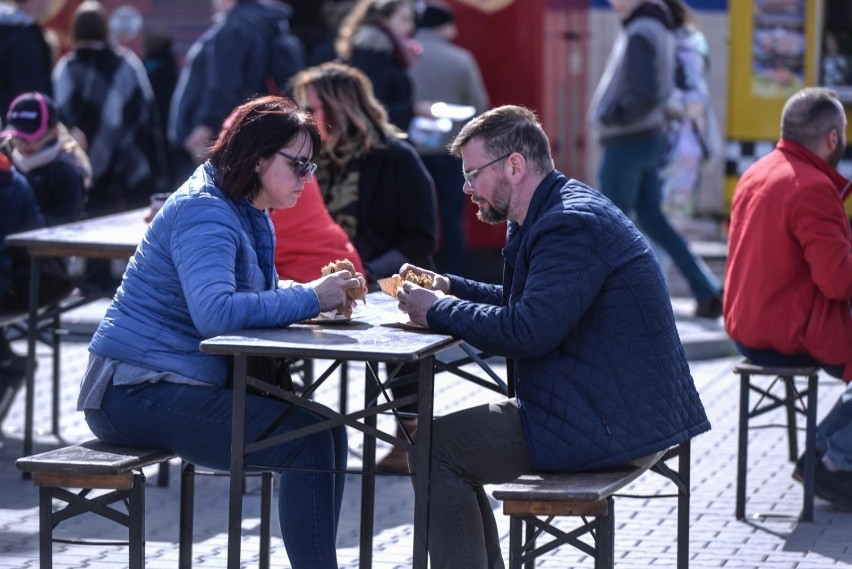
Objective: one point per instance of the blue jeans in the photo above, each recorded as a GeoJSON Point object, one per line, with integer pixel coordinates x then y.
{"type": "Point", "coordinates": [834, 432]}
{"type": "Point", "coordinates": [630, 177]}
{"type": "Point", "coordinates": [195, 423]}
{"type": "Point", "coordinates": [470, 448]}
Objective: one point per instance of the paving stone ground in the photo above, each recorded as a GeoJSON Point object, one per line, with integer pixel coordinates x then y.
{"type": "Point", "coordinates": [645, 528]}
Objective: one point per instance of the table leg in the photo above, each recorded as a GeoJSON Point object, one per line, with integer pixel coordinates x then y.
{"type": "Point", "coordinates": [32, 332]}
{"type": "Point", "coordinates": [368, 480]}
{"type": "Point", "coordinates": [423, 461]}
{"type": "Point", "coordinates": [235, 497]}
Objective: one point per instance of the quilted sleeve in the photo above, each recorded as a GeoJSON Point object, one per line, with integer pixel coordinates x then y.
{"type": "Point", "coordinates": [564, 276]}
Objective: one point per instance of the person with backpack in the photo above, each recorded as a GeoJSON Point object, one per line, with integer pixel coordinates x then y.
{"type": "Point", "coordinates": [249, 50]}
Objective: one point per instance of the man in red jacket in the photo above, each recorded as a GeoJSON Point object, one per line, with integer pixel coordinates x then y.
{"type": "Point", "coordinates": [789, 276]}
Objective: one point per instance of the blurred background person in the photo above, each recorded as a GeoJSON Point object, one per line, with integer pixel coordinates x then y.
{"type": "Point", "coordinates": [447, 73]}
{"type": "Point", "coordinates": [229, 63]}
{"type": "Point", "coordinates": [48, 160]}
{"type": "Point", "coordinates": [374, 185]}
{"type": "Point", "coordinates": [19, 211]}
{"type": "Point", "coordinates": [628, 113]}
{"type": "Point", "coordinates": [162, 70]}
{"type": "Point", "coordinates": [25, 56]}
{"type": "Point", "coordinates": [695, 138]}
{"type": "Point", "coordinates": [375, 38]}
{"type": "Point", "coordinates": [102, 90]}
{"type": "Point", "coordinates": [307, 238]}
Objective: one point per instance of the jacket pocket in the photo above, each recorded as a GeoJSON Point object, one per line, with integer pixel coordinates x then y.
{"type": "Point", "coordinates": [591, 404]}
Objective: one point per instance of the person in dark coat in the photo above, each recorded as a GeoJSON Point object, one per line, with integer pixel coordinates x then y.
{"type": "Point", "coordinates": [598, 376]}
{"type": "Point", "coordinates": [25, 56]}
{"type": "Point", "coordinates": [47, 156]}
{"type": "Point", "coordinates": [375, 38]}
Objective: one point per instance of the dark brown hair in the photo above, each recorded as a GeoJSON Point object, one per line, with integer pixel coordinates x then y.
{"type": "Point", "coordinates": [258, 129]}
{"type": "Point", "coordinates": [89, 22]}
{"type": "Point", "coordinates": [508, 129]}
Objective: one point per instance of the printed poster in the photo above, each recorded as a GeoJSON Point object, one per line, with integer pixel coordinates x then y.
{"type": "Point", "coordinates": [778, 48]}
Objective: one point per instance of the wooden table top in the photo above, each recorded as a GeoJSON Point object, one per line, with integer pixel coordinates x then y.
{"type": "Point", "coordinates": [376, 332]}
{"type": "Point", "coordinates": [110, 237]}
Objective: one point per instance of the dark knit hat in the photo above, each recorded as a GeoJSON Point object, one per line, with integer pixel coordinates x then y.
{"type": "Point", "coordinates": [435, 15]}
{"type": "Point", "coordinates": [30, 116]}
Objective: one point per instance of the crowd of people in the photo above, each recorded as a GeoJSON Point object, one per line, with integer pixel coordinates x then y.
{"type": "Point", "coordinates": [280, 157]}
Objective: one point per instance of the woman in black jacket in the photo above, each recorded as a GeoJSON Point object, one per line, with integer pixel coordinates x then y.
{"type": "Point", "coordinates": [374, 185]}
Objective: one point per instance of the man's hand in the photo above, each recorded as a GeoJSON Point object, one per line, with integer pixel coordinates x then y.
{"type": "Point", "coordinates": [416, 301]}
{"type": "Point", "coordinates": [439, 282]}
{"type": "Point", "coordinates": [331, 289]}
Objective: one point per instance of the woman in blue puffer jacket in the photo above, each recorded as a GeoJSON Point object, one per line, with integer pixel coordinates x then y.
{"type": "Point", "coordinates": [206, 267]}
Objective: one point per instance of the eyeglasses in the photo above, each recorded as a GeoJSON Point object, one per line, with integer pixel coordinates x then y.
{"type": "Point", "coordinates": [471, 174]}
{"type": "Point", "coordinates": [304, 169]}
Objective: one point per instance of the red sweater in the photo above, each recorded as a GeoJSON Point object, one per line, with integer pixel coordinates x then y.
{"type": "Point", "coordinates": [306, 238]}
{"type": "Point", "coordinates": [788, 282]}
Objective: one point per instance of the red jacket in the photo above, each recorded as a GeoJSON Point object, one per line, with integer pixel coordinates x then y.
{"type": "Point", "coordinates": [307, 238]}
{"type": "Point", "coordinates": [788, 282]}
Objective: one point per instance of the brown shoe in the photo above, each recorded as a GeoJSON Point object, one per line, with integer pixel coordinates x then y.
{"type": "Point", "coordinates": [397, 459]}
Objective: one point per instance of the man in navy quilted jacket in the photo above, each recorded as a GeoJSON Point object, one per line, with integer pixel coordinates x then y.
{"type": "Point", "coordinates": [598, 374]}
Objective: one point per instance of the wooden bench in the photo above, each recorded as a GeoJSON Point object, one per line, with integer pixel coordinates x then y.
{"type": "Point", "coordinates": [588, 495]}
{"type": "Point", "coordinates": [780, 393]}
{"type": "Point", "coordinates": [89, 466]}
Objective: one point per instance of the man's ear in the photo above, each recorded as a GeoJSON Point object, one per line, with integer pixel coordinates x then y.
{"type": "Point", "coordinates": [518, 163]}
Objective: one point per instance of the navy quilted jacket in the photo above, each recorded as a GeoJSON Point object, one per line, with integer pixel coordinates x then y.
{"type": "Point", "coordinates": [584, 313]}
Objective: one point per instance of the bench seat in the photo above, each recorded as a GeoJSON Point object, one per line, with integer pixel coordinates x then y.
{"type": "Point", "coordinates": [585, 494]}
{"type": "Point", "coordinates": [88, 466]}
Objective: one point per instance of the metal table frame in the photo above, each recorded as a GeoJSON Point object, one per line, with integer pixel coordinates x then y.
{"type": "Point", "coordinates": [339, 344]}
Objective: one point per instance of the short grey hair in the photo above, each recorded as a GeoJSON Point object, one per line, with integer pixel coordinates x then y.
{"type": "Point", "coordinates": [508, 129]}
{"type": "Point", "coordinates": [809, 114]}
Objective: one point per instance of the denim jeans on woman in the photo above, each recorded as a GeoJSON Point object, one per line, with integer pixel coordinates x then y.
{"type": "Point", "coordinates": [470, 448]}
{"type": "Point", "coordinates": [630, 177]}
{"type": "Point", "coordinates": [195, 423]}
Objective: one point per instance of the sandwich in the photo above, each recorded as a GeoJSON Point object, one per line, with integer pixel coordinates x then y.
{"type": "Point", "coordinates": [352, 294]}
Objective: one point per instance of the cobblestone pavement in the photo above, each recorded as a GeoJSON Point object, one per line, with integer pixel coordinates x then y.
{"type": "Point", "coordinates": [645, 528]}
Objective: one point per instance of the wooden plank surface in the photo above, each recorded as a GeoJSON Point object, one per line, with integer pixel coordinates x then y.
{"type": "Point", "coordinates": [109, 237]}
{"type": "Point", "coordinates": [376, 331]}
{"type": "Point", "coordinates": [93, 457]}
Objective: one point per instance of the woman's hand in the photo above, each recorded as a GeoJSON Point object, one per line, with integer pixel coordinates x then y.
{"type": "Point", "coordinates": [331, 289]}
{"type": "Point", "coordinates": [439, 282]}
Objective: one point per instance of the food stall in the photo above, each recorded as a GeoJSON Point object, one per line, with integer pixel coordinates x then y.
{"type": "Point", "coordinates": [776, 48]}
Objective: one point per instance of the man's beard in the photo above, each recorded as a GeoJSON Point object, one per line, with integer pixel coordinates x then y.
{"type": "Point", "coordinates": [496, 210]}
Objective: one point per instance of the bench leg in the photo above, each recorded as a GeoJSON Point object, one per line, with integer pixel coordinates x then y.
{"type": "Point", "coordinates": [742, 446]}
{"type": "Point", "coordinates": [790, 404]}
{"type": "Point", "coordinates": [163, 475]}
{"type": "Point", "coordinates": [56, 377]}
{"type": "Point", "coordinates": [810, 450]}
{"type": "Point", "coordinates": [265, 518]}
{"type": "Point", "coordinates": [605, 550]}
{"type": "Point", "coordinates": [530, 533]}
{"type": "Point", "coordinates": [683, 465]}
{"type": "Point", "coordinates": [187, 507]}
{"type": "Point", "coordinates": [45, 527]}
{"type": "Point", "coordinates": [136, 522]}
{"type": "Point", "coordinates": [516, 524]}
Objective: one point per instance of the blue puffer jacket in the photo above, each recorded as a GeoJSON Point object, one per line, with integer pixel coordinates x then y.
{"type": "Point", "coordinates": [584, 313]}
{"type": "Point", "coordinates": [205, 267]}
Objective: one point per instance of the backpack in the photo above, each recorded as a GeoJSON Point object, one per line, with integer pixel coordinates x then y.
{"type": "Point", "coordinates": [286, 58]}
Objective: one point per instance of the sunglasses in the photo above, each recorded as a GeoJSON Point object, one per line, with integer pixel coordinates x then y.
{"type": "Point", "coordinates": [303, 168]}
